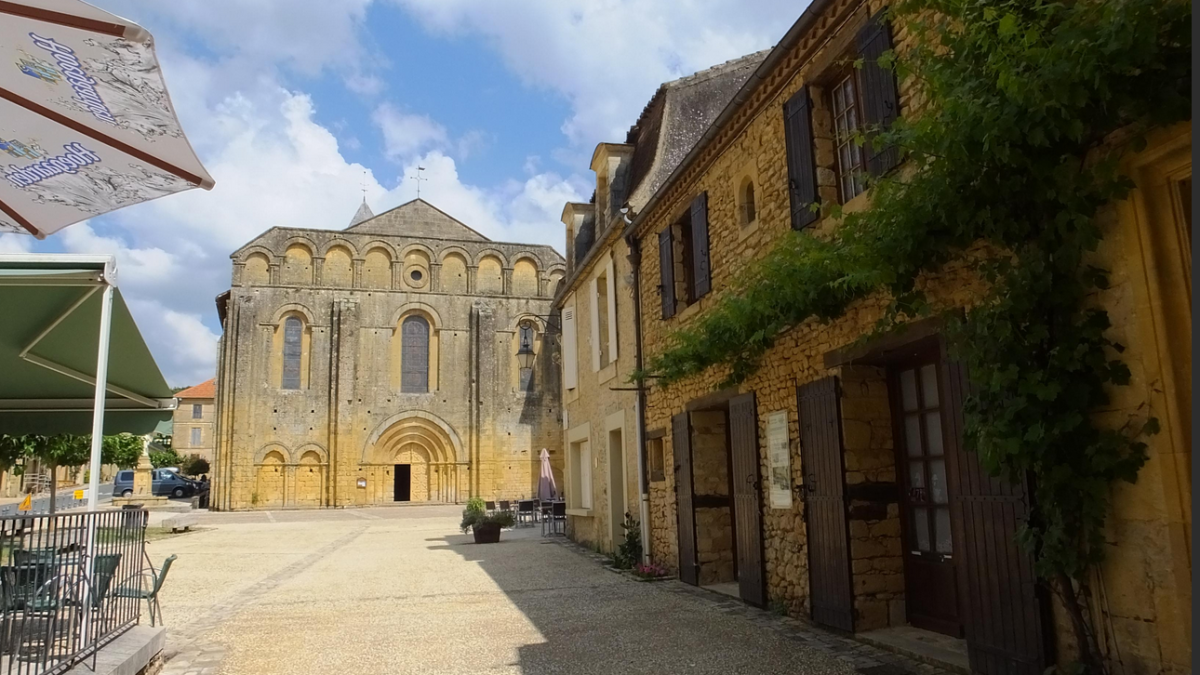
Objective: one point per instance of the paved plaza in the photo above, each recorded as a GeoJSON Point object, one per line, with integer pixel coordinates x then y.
{"type": "Point", "coordinates": [399, 590]}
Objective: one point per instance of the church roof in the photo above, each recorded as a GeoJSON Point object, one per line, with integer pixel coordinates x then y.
{"type": "Point", "coordinates": [417, 218]}
{"type": "Point", "coordinates": [362, 214]}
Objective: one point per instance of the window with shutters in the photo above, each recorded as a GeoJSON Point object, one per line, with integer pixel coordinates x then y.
{"type": "Point", "coordinates": [414, 355]}
{"type": "Point", "coordinates": [570, 347]}
{"type": "Point", "coordinates": [293, 352]}
{"type": "Point", "coordinates": [604, 315]}
{"type": "Point", "coordinates": [845, 107]}
{"type": "Point", "coordinates": [197, 433]}
{"type": "Point", "coordinates": [684, 258]}
{"type": "Point", "coordinates": [197, 411]}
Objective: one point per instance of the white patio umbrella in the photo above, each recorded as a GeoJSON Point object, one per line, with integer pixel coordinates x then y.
{"type": "Point", "coordinates": [86, 125]}
{"type": "Point", "coordinates": [547, 490]}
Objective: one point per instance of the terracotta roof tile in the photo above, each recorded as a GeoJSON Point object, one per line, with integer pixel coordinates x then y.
{"type": "Point", "coordinates": [202, 390]}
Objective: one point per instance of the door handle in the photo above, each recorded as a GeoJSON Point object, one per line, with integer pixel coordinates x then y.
{"type": "Point", "coordinates": [754, 483]}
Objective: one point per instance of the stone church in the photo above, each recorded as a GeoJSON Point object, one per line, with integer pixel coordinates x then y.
{"type": "Point", "coordinates": [404, 358]}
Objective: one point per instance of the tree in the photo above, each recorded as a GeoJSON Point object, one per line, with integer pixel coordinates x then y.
{"type": "Point", "coordinates": [12, 450]}
{"type": "Point", "coordinates": [122, 450]}
{"type": "Point", "coordinates": [56, 451]}
{"type": "Point", "coordinates": [164, 457]}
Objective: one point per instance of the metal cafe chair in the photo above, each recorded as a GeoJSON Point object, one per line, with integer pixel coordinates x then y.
{"type": "Point", "coordinates": [525, 512]}
{"type": "Point", "coordinates": [489, 507]}
{"type": "Point", "coordinates": [140, 591]}
{"type": "Point", "coordinates": [558, 514]}
{"type": "Point", "coordinates": [505, 506]}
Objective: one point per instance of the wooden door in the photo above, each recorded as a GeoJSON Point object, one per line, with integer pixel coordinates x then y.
{"type": "Point", "coordinates": [931, 587]}
{"type": "Point", "coordinates": [1003, 608]}
{"type": "Point", "coordinates": [681, 440]}
{"type": "Point", "coordinates": [747, 499]}
{"type": "Point", "coordinates": [825, 504]}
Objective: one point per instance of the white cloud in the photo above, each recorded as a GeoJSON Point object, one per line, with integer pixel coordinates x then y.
{"type": "Point", "coordinates": [16, 243]}
{"type": "Point", "coordinates": [608, 56]}
{"type": "Point", "coordinates": [192, 356]}
{"type": "Point", "coordinates": [406, 134]}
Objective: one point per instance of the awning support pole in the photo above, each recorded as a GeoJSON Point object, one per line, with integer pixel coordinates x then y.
{"type": "Point", "coordinates": [106, 302]}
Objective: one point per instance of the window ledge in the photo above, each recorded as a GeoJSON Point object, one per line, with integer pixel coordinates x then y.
{"type": "Point", "coordinates": [687, 312]}
{"type": "Point", "coordinates": [748, 229]}
{"type": "Point", "coordinates": [606, 373]}
{"type": "Point", "coordinates": [580, 513]}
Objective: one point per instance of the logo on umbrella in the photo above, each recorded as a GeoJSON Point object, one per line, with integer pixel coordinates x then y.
{"type": "Point", "coordinates": [72, 71]}
{"type": "Point", "coordinates": [42, 70]}
{"type": "Point", "coordinates": [20, 150]}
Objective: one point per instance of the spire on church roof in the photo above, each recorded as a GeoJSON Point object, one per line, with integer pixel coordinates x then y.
{"type": "Point", "coordinates": [363, 213]}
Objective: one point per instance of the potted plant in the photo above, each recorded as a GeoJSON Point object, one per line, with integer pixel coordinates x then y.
{"type": "Point", "coordinates": [485, 527]}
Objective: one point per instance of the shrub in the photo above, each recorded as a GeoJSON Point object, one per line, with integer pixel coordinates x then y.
{"type": "Point", "coordinates": [629, 552]}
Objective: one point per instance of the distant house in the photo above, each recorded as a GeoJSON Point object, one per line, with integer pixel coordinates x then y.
{"type": "Point", "coordinates": [193, 421]}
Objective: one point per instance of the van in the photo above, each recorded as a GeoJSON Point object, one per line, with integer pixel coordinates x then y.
{"type": "Point", "coordinates": [163, 483]}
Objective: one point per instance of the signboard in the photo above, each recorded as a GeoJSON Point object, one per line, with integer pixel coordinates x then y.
{"type": "Point", "coordinates": [362, 483]}
{"type": "Point", "coordinates": [780, 452]}
{"type": "Point", "coordinates": [26, 504]}
{"type": "Point", "coordinates": [80, 494]}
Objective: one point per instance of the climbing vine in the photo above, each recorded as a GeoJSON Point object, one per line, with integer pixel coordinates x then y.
{"type": "Point", "coordinates": [1027, 105]}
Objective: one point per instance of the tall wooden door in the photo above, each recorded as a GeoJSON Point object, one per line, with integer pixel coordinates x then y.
{"type": "Point", "coordinates": [747, 499]}
{"type": "Point", "coordinates": [825, 504]}
{"type": "Point", "coordinates": [681, 443]}
{"type": "Point", "coordinates": [931, 587]}
{"type": "Point", "coordinates": [1004, 610]}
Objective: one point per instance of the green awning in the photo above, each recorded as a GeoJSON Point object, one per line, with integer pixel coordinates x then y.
{"type": "Point", "coordinates": [50, 310]}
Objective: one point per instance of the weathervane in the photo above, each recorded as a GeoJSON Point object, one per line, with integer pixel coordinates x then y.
{"type": "Point", "coordinates": [364, 186]}
{"type": "Point", "coordinates": [418, 178]}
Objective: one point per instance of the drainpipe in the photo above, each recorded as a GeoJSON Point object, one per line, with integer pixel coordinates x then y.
{"type": "Point", "coordinates": [635, 261]}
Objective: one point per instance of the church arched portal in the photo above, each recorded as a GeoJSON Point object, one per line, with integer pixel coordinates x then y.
{"type": "Point", "coordinates": [413, 460]}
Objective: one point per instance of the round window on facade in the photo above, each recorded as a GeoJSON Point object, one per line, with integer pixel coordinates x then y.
{"type": "Point", "coordinates": [417, 276]}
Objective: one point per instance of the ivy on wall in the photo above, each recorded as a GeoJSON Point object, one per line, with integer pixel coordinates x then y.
{"type": "Point", "coordinates": [1016, 145]}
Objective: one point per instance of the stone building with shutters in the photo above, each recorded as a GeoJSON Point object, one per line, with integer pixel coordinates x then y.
{"type": "Point", "coordinates": [378, 364]}
{"type": "Point", "coordinates": [833, 481]}
{"type": "Point", "coordinates": [597, 302]}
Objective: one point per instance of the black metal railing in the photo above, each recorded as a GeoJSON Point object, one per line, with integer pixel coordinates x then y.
{"type": "Point", "coordinates": [69, 584]}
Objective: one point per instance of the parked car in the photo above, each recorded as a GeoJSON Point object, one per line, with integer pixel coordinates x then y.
{"type": "Point", "coordinates": [163, 482]}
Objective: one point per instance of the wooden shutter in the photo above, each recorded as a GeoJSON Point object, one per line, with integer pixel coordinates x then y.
{"type": "Point", "coordinates": [666, 266]}
{"type": "Point", "coordinates": [681, 443]}
{"type": "Point", "coordinates": [802, 165]}
{"type": "Point", "coordinates": [612, 311]}
{"type": "Point", "coordinates": [747, 498]}
{"type": "Point", "coordinates": [1004, 609]}
{"type": "Point", "coordinates": [569, 349]}
{"type": "Point", "coordinates": [594, 328]}
{"type": "Point", "coordinates": [878, 89]}
{"type": "Point", "coordinates": [825, 504]}
{"type": "Point", "coordinates": [701, 266]}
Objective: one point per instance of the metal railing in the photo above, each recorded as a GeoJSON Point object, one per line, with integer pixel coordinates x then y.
{"type": "Point", "coordinates": [68, 586]}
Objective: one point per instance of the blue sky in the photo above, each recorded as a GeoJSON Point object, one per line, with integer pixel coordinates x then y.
{"type": "Point", "coordinates": [295, 105]}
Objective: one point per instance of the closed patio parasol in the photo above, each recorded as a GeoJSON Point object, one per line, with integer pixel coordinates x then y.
{"type": "Point", "coordinates": [86, 125]}
{"type": "Point", "coordinates": [547, 490]}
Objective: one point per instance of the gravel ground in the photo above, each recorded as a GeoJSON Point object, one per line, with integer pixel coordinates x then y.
{"type": "Point", "coordinates": [399, 590]}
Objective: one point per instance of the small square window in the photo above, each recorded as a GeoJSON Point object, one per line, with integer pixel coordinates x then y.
{"type": "Point", "coordinates": [654, 457]}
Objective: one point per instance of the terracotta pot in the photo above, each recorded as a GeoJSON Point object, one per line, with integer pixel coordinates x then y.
{"type": "Point", "coordinates": [486, 533]}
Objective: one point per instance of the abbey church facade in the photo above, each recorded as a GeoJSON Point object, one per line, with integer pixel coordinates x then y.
{"type": "Point", "coordinates": [379, 364]}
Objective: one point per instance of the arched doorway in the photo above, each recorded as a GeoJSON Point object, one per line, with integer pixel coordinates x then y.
{"type": "Point", "coordinates": [414, 459]}
{"type": "Point", "coordinates": [268, 492]}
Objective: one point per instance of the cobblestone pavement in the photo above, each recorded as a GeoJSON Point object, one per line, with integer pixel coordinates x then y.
{"type": "Point", "coordinates": [399, 590]}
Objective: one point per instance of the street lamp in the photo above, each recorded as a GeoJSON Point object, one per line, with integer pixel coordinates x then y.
{"type": "Point", "coordinates": [525, 354]}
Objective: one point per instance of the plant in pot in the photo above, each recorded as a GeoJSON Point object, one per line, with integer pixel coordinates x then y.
{"type": "Point", "coordinates": [485, 527]}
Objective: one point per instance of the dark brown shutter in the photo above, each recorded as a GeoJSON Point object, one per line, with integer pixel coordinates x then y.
{"type": "Point", "coordinates": [825, 504]}
{"type": "Point", "coordinates": [747, 499]}
{"type": "Point", "coordinates": [1003, 605]}
{"type": "Point", "coordinates": [666, 265]}
{"type": "Point", "coordinates": [701, 267]}
{"type": "Point", "coordinates": [802, 165]}
{"type": "Point", "coordinates": [681, 444]}
{"type": "Point", "coordinates": [878, 89]}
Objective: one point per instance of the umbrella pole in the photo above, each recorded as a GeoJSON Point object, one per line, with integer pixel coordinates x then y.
{"type": "Point", "coordinates": [106, 301]}
{"type": "Point", "coordinates": [86, 591]}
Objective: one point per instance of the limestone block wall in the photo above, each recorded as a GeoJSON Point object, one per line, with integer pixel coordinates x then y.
{"type": "Point", "coordinates": [476, 431]}
{"type": "Point", "coordinates": [713, 512]}
{"type": "Point", "coordinates": [1146, 582]}
{"type": "Point", "coordinates": [876, 555]}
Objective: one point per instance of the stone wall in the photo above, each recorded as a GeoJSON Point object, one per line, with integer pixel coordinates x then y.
{"type": "Point", "coordinates": [479, 433]}
{"type": "Point", "coordinates": [876, 555]}
{"type": "Point", "coordinates": [1146, 580]}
